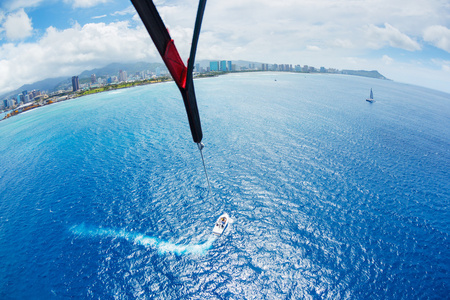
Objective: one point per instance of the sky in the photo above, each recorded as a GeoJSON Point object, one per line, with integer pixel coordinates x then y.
{"type": "Point", "coordinates": [407, 41]}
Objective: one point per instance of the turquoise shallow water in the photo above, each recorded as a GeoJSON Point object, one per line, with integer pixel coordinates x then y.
{"type": "Point", "coordinates": [331, 196]}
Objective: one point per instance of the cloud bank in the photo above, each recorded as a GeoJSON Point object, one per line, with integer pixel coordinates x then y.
{"type": "Point", "coordinates": [71, 51]}
{"type": "Point", "coordinates": [337, 34]}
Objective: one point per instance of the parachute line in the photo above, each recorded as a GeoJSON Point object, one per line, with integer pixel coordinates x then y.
{"type": "Point", "coordinates": [200, 147]}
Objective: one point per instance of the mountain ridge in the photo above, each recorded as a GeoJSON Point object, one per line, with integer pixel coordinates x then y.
{"type": "Point", "coordinates": [56, 83]}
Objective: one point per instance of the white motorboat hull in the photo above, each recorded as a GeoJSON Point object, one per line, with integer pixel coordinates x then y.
{"type": "Point", "coordinates": [221, 224]}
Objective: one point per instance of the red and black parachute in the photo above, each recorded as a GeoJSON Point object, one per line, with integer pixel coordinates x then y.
{"type": "Point", "coordinates": [181, 74]}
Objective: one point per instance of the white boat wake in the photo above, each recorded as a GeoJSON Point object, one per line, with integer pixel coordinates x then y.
{"type": "Point", "coordinates": [163, 247]}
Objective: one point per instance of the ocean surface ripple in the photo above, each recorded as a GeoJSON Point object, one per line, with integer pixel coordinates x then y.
{"type": "Point", "coordinates": [332, 197]}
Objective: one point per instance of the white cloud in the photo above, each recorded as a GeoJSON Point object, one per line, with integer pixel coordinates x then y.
{"type": "Point", "coordinates": [444, 65]}
{"type": "Point", "coordinates": [17, 25]}
{"type": "Point", "coordinates": [343, 43]}
{"type": "Point", "coordinates": [387, 60]}
{"type": "Point", "coordinates": [71, 51]}
{"type": "Point", "coordinates": [355, 61]}
{"type": "Point", "coordinates": [379, 37]}
{"type": "Point", "coordinates": [312, 48]}
{"type": "Point", "coordinates": [99, 17]}
{"type": "Point", "coordinates": [439, 36]}
{"type": "Point", "coordinates": [17, 4]}
{"type": "Point", "coordinates": [127, 11]}
{"type": "Point", "coordinates": [2, 16]}
{"type": "Point", "coordinates": [85, 3]}
{"type": "Point", "coordinates": [136, 18]}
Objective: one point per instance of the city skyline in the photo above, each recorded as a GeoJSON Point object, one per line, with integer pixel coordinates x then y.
{"type": "Point", "coordinates": [407, 41]}
{"type": "Point", "coordinates": [98, 76]}
{"type": "Point", "coordinates": [22, 97]}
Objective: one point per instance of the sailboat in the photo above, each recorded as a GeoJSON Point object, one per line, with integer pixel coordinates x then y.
{"type": "Point", "coordinates": [370, 99]}
{"type": "Point", "coordinates": [181, 74]}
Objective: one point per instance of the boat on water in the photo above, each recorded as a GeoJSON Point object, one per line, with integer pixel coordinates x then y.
{"type": "Point", "coordinates": [370, 99]}
{"type": "Point", "coordinates": [221, 224]}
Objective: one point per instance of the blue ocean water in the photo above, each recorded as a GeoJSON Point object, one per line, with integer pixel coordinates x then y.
{"type": "Point", "coordinates": [332, 197]}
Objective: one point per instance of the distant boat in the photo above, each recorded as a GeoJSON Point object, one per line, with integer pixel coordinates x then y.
{"type": "Point", "coordinates": [370, 99]}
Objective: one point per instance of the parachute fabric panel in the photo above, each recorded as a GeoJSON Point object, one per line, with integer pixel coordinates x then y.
{"type": "Point", "coordinates": [169, 53]}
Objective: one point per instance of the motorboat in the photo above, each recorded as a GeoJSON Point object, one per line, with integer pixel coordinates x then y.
{"type": "Point", "coordinates": [221, 224]}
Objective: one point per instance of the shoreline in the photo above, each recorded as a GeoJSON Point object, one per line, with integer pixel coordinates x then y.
{"type": "Point", "coordinates": [74, 95]}
{"type": "Point", "coordinates": [112, 87]}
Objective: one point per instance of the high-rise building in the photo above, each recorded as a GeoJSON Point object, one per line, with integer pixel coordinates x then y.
{"type": "Point", "coordinates": [123, 75]}
{"type": "Point", "coordinates": [214, 66]}
{"type": "Point", "coordinates": [223, 65]}
{"type": "Point", "coordinates": [13, 101]}
{"type": "Point", "coordinates": [75, 84]}
{"type": "Point", "coordinates": [93, 78]}
{"type": "Point", "coordinates": [229, 66]}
